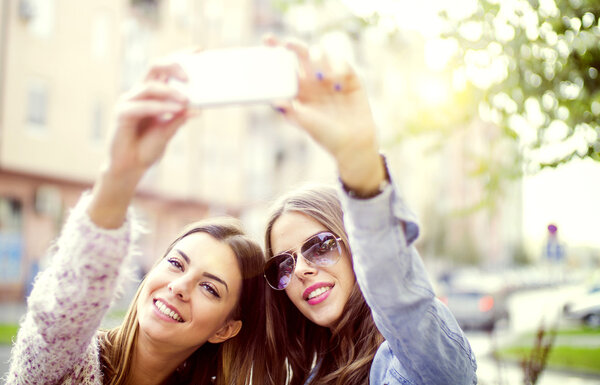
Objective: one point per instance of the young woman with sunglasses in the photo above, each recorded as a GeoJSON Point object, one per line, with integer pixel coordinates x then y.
{"type": "Point", "coordinates": [351, 302]}
{"type": "Point", "coordinates": [195, 311]}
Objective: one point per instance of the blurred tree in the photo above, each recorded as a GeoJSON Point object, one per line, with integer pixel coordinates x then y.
{"type": "Point", "coordinates": [537, 63]}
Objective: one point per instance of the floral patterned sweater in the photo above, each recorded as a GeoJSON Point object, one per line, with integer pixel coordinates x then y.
{"type": "Point", "coordinates": [57, 342]}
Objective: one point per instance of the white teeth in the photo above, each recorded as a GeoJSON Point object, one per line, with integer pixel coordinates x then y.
{"type": "Point", "coordinates": [318, 292]}
{"type": "Point", "coordinates": [166, 311]}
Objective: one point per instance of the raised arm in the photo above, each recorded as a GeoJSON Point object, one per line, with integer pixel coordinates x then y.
{"type": "Point", "coordinates": [147, 118]}
{"type": "Point", "coordinates": [70, 298]}
{"type": "Point", "coordinates": [423, 341]}
{"type": "Point", "coordinates": [333, 108]}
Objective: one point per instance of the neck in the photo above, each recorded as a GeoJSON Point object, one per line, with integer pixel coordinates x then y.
{"type": "Point", "coordinates": [153, 364]}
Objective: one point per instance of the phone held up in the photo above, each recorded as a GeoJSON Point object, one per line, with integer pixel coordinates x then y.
{"type": "Point", "coordinates": [239, 76]}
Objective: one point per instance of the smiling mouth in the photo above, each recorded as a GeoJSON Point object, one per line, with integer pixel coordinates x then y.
{"type": "Point", "coordinates": [164, 309]}
{"type": "Point", "coordinates": [318, 292]}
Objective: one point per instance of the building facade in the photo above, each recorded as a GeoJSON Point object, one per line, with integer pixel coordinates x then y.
{"type": "Point", "coordinates": [63, 65]}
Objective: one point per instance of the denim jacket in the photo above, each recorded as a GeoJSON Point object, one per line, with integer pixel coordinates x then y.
{"type": "Point", "coordinates": [423, 343]}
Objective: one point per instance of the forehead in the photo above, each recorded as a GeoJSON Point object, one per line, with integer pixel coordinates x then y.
{"type": "Point", "coordinates": [210, 254]}
{"type": "Point", "coordinates": [291, 229]}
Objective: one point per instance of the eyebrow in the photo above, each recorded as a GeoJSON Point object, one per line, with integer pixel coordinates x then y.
{"type": "Point", "coordinates": [212, 276]}
{"type": "Point", "coordinates": [205, 274]}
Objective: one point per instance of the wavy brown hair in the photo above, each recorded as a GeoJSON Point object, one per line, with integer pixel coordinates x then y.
{"type": "Point", "coordinates": [342, 354]}
{"type": "Point", "coordinates": [236, 361]}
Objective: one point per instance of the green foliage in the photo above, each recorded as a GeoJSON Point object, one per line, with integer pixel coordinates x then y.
{"type": "Point", "coordinates": [553, 348]}
{"type": "Point", "coordinates": [547, 95]}
{"type": "Point", "coordinates": [561, 357]}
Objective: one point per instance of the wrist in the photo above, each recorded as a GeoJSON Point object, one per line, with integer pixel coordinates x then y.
{"type": "Point", "coordinates": [367, 181]}
{"type": "Point", "coordinates": [111, 195]}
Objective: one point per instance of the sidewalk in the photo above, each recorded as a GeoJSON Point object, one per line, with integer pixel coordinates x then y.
{"type": "Point", "coordinates": [584, 341]}
{"type": "Point", "coordinates": [11, 312]}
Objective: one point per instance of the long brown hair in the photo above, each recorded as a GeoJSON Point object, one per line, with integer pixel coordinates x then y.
{"type": "Point", "coordinates": [233, 362]}
{"type": "Point", "coordinates": [343, 354]}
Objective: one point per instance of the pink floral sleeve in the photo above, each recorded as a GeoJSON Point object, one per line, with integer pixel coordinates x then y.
{"type": "Point", "coordinates": [69, 300]}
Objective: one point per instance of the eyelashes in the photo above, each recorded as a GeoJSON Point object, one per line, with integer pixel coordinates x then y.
{"type": "Point", "coordinates": [175, 263]}
{"type": "Point", "coordinates": [209, 287]}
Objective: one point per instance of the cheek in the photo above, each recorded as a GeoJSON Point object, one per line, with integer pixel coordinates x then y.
{"type": "Point", "coordinates": [151, 282]}
{"type": "Point", "coordinates": [292, 291]}
{"type": "Point", "coordinates": [143, 297]}
{"type": "Point", "coordinates": [347, 269]}
{"type": "Point", "coordinates": [343, 269]}
{"type": "Point", "coordinates": [345, 275]}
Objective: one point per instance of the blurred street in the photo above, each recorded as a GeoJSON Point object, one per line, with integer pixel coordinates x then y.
{"type": "Point", "coordinates": [491, 372]}
{"type": "Point", "coordinates": [528, 309]}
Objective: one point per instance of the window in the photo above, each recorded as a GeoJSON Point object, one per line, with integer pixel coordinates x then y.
{"type": "Point", "coordinates": [41, 23]}
{"type": "Point", "coordinates": [181, 13]}
{"type": "Point", "coordinates": [37, 105]}
{"type": "Point", "coordinates": [11, 239]}
{"type": "Point", "coordinates": [101, 34]}
{"type": "Point", "coordinates": [137, 40]}
{"type": "Point", "coordinates": [97, 124]}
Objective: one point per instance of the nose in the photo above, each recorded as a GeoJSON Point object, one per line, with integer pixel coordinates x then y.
{"type": "Point", "coordinates": [303, 268]}
{"type": "Point", "coordinates": [180, 288]}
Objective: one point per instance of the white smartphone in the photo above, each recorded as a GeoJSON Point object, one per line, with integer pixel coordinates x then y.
{"type": "Point", "coordinates": [239, 75]}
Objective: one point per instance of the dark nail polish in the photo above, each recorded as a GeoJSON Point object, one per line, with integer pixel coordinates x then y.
{"type": "Point", "coordinates": [337, 87]}
{"type": "Point", "coordinates": [281, 110]}
{"type": "Point", "coordinates": [319, 75]}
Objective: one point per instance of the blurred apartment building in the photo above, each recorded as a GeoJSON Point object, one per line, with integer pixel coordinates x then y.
{"type": "Point", "coordinates": [63, 65]}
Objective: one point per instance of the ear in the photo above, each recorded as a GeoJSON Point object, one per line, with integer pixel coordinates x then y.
{"type": "Point", "coordinates": [227, 331]}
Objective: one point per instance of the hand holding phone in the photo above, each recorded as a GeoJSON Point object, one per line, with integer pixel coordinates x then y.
{"type": "Point", "coordinates": [239, 75]}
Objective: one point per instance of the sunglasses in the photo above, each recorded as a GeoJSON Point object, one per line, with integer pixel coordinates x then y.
{"type": "Point", "coordinates": [322, 249]}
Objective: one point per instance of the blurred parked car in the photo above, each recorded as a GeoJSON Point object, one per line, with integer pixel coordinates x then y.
{"type": "Point", "coordinates": [477, 300]}
{"type": "Point", "coordinates": [585, 308]}
{"type": "Point", "coordinates": [477, 308]}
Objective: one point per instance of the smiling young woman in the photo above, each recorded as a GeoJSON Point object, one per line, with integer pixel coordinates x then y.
{"type": "Point", "coordinates": [194, 301]}
{"type": "Point", "coordinates": [351, 301]}
{"type": "Point", "coordinates": [193, 319]}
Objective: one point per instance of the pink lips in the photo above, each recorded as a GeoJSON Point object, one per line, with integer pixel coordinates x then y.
{"type": "Point", "coordinates": [321, 297]}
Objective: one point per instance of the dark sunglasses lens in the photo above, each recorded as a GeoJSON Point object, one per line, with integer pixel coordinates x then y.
{"type": "Point", "coordinates": [278, 271]}
{"type": "Point", "coordinates": [322, 249]}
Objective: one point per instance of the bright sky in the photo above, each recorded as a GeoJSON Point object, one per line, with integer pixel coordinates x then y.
{"type": "Point", "coordinates": [568, 196]}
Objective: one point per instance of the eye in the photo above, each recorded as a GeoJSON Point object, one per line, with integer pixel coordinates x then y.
{"type": "Point", "coordinates": [175, 263]}
{"type": "Point", "coordinates": [210, 288]}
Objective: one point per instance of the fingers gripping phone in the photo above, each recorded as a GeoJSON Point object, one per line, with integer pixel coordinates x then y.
{"type": "Point", "coordinates": [239, 75]}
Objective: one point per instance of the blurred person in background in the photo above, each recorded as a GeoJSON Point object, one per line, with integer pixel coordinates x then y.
{"type": "Point", "coordinates": [193, 319]}
{"type": "Point", "coordinates": [554, 255]}
{"type": "Point", "coordinates": [352, 303]}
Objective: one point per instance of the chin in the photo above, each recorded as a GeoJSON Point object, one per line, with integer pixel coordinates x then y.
{"type": "Point", "coordinates": [325, 320]}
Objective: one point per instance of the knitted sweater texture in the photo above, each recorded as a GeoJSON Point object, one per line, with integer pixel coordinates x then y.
{"type": "Point", "coordinates": [57, 341]}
